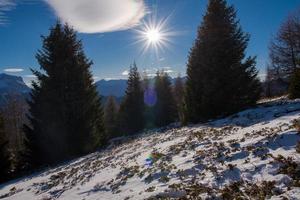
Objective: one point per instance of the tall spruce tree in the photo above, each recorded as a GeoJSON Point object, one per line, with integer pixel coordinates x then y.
{"type": "Point", "coordinates": [131, 115]}
{"type": "Point", "coordinates": [4, 156]}
{"type": "Point", "coordinates": [149, 99]}
{"type": "Point", "coordinates": [165, 108]}
{"type": "Point", "coordinates": [178, 92]}
{"type": "Point", "coordinates": [220, 79]}
{"type": "Point", "coordinates": [66, 117]}
{"type": "Point", "coordinates": [111, 117]}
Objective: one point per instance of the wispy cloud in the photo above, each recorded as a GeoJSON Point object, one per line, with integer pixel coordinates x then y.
{"type": "Point", "coordinates": [262, 76]}
{"type": "Point", "coordinates": [28, 79]}
{"type": "Point", "coordinates": [152, 72]}
{"type": "Point", "coordinates": [13, 70]}
{"type": "Point", "coordinates": [125, 73]}
{"type": "Point", "coordinates": [169, 71]}
{"type": "Point", "coordinates": [5, 6]}
{"type": "Point", "coordinates": [98, 16]}
{"type": "Point", "coordinates": [30, 76]}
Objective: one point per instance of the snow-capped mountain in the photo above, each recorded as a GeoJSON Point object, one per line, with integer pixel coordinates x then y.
{"type": "Point", "coordinates": [254, 154]}
{"type": "Point", "coordinates": [12, 86]}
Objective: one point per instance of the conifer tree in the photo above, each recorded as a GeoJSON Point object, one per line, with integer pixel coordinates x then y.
{"type": "Point", "coordinates": [220, 79]}
{"type": "Point", "coordinates": [131, 117]}
{"type": "Point", "coordinates": [66, 117]}
{"type": "Point", "coordinates": [178, 92]}
{"type": "Point", "coordinates": [149, 100]}
{"type": "Point", "coordinates": [294, 89]}
{"type": "Point", "coordinates": [110, 117]}
{"type": "Point", "coordinates": [4, 157]}
{"type": "Point", "coordinates": [165, 108]}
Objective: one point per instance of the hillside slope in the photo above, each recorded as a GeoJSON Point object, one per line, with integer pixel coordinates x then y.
{"type": "Point", "coordinates": [251, 154]}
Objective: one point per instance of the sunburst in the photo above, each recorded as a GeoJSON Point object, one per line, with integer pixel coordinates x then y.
{"type": "Point", "coordinates": [154, 35]}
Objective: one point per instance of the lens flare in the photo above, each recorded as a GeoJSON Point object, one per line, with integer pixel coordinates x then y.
{"type": "Point", "coordinates": [150, 97]}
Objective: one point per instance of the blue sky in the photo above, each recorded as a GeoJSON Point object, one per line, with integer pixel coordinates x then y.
{"type": "Point", "coordinates": [114, 48]}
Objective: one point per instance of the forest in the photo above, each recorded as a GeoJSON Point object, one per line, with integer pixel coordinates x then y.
{"type": "Point", "coordinates": [65, 117]}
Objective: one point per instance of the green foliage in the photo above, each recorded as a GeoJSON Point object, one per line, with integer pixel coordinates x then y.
{"type": "Point", "coordinates": [294, 89]}
{"type": "Point", "coordinates": [220, 79]}
{"type": "Point", "coordinates": [131, 115]}
{"type": "Point", "coordinates": [4, 157]}
{"type": "Point", "coordinates": [165, 108]}
{"type": "Point", "coordinates": [298, 147]}
{"type": "Point", "coordinates": [111, 117]}
{"type": "Point", "coordinates": [149, 108]}
{"type": "Point", "coordinates": [65, 110]}
{"type": "Point", "coordinates": [296, 125]}
{"type": "Point", "coordinates": [178, 92]}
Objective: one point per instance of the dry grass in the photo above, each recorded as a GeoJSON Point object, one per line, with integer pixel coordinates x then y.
{"type": "Point", "coordinates": [296, 124]}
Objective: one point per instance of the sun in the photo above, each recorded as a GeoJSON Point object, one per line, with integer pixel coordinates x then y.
{"type": "Point", "coordinates": [153, 36]}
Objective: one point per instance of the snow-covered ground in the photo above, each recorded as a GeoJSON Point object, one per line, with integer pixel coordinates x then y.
{"type": "Point", "coordinates": [250, 155]}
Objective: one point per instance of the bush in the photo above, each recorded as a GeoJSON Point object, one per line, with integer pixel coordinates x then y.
{"type": "Point", "coordinates": [298, 147]}
{"type": "Point", "coordinates": [296, 124]}
{"type": "Point", "coordinates": [294, 90]}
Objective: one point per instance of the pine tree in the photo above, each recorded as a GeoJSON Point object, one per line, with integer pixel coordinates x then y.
{"type": "Point", "coordinates": [165, 108]}
{"type": "Point", "coordinates": [150, 100]}
{"type": "Point", "coordinates": [131, 117]}
{"type": "Point", "coordinates": [294, 89]}
{"type": "Point", "coordinates": [110, 117]}
{"type": "Point", "coordinates": [220, 80]}
{"type": "Point", "coordinates": [178, 92]}
{"type": "Point", "coordinates": [4, 157]}
{"type": "Point", "coordinates": [14, 113]}
{"type": "Point", "coordinates": [66, 117]}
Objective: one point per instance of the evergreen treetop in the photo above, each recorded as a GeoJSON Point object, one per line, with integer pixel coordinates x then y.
{"type": "Point", "coordinates": [131, 117]}
{"type": "Point", "coordinates": [220, 78]}
{"type": "Point", "coordinates": [65, 111]}
{"type": "Point", "coordinates": [165, 108]}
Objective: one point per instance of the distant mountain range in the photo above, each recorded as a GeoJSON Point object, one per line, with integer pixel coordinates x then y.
{"type": "Point", "coordinates": [14, 85]}
{"type": "Point", "coordinates": [114, 88]}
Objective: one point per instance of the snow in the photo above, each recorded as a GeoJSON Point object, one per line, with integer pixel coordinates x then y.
{"type": "Point", "coordinates": [203, 160]}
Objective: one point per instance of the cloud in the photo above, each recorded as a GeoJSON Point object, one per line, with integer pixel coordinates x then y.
{"type": "Point", "coordinates": [262, 76]}
{"type": "Point", "coordinates": [13, 70]}
{"type": "Point", "coordinates": [110, 79]}
{"type": "Point", "coordinates": [151, 75]}
{"type": "Point", "coordinates": [30, 76]}
{"type": "Point", "coordinates": [28, 79]}
{"type": "Point", "coordinates": [99, 16]}
{"type": "Point", "coordinates": [169, 71]}
{"type": "Point", "coordinates": [125, 73]}
{"type": "Point", "coordinates": [5, 6]}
